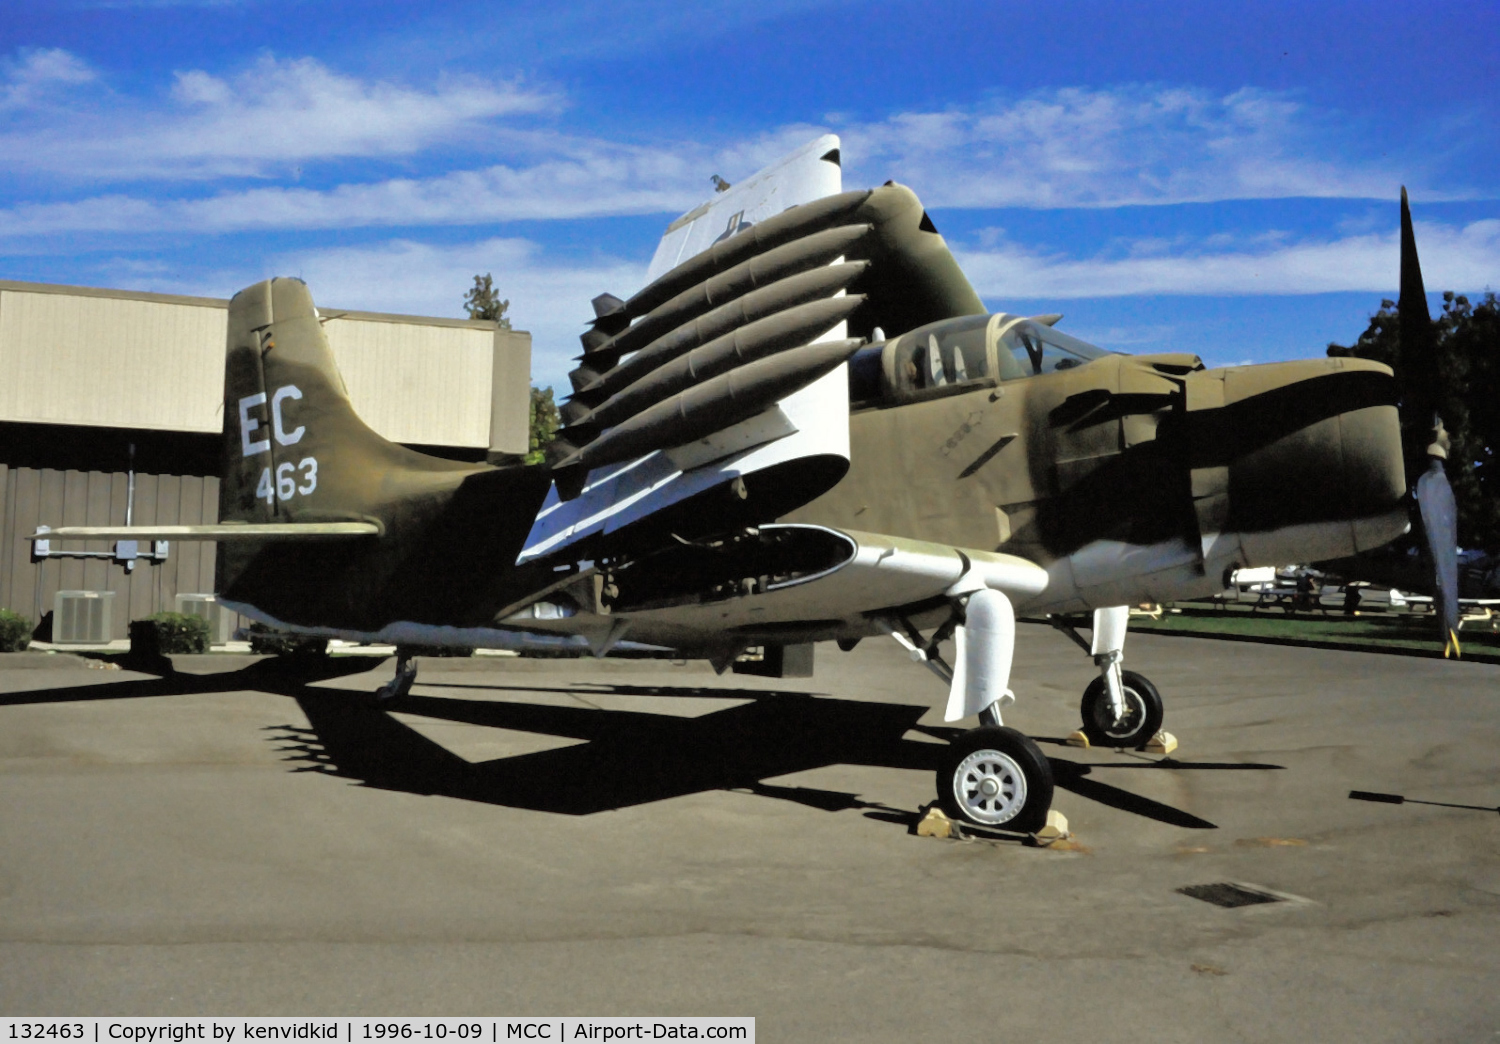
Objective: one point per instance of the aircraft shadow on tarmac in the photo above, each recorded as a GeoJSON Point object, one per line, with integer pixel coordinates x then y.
{"type": "Point", "coordinates": [626, 757]}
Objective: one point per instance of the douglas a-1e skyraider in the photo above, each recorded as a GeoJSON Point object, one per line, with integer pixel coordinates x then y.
{"type": "Point", "coordinates": [807, 427]}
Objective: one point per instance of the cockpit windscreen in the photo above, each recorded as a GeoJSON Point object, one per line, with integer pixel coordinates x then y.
{"type": "Point", "coordinates": [1041, 349]}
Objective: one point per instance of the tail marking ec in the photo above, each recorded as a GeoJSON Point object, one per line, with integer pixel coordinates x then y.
{"type": "Point", "coordinates": [249, 427]}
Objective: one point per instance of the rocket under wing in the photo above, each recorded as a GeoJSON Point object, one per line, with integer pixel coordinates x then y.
{"type": "Point", "coordinates": [798, 430]}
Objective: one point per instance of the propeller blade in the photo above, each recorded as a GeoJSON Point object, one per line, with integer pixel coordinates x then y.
{"type": "Point", "coordinates": [1440, 531]}
{"type": "Point", "coordinates": [1419, 363]}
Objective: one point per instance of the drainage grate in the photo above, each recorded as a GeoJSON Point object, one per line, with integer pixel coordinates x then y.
{"type": "Point", "coordinates": [1228, 894]}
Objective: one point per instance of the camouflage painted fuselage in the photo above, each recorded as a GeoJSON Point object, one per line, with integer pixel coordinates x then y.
{"type": "Point", "coordinates": [1138, 478]}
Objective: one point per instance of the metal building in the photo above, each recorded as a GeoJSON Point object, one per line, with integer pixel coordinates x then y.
{"type": "Point", "coordinates": [111, 411]}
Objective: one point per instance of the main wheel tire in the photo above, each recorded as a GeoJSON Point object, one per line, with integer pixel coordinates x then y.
{"type": "Point", "coordinates": [995, 777]}
{"type": "Point", "coordinates": [1143, 713]}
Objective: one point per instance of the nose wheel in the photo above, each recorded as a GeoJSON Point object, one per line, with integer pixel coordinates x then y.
{"type": "Point", "coordinates": [995, 777]}
{"type": "Point", "coordinates": [1141, 720]}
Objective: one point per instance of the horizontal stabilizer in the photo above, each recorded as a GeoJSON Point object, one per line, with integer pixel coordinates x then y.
{"type": "Point", "coordinates": [221, 531]}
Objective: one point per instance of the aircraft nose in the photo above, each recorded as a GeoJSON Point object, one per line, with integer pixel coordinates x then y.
{"type": "Point", "coordinates": [1308, 454]}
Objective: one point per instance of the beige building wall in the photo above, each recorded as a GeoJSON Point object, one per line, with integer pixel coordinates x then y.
{"type": "Point", "coordinates": [105, 358]}
{"type": "Point", "coordinates": [86, 358]}
{"type": "Point", "coordinates": [416, 381]}
{"type": "Point", "coordinates": [510, 394]}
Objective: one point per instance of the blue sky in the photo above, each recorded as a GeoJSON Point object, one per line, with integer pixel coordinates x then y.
{"type": "Point", "coordinates": [1211, 178]}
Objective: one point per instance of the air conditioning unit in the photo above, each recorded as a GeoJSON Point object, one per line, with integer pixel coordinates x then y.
{"type": "Point", "coordinates": [220, 620]}
{"type": "Point", "coordinates": [82, 617]}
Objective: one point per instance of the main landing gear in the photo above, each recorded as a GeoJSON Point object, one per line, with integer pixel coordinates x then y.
{"type": "Point", "coordinates": [995, 776]}
{"type": "Point", "coordinates": [991, 776]}
{"type": "Point", "coordinates": [1120, 708]}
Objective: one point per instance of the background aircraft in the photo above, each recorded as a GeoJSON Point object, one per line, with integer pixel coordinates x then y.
{"type": "Point", "coordinates": [807, 427]}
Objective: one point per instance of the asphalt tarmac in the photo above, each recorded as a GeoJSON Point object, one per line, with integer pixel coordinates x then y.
{"type": "Point", "coordinates": [532, 837]}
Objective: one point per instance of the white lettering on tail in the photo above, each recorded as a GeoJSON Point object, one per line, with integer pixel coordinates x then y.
{"type": "Point", "coordinates": [278, 426]}
{"type": "Point", "coordinates": [249, 427]}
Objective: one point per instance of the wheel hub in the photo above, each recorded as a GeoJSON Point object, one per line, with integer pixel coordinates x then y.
{"type": "Point", "coordinates": [1126, 724]}
{"type": "Point", "coordinates": [990, 787]}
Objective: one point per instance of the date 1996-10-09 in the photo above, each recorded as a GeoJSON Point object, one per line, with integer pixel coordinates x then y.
{"type": "Point", "coordinates": [469, 1030]}
{"type": "Point", "coordinates": [369, 1031]}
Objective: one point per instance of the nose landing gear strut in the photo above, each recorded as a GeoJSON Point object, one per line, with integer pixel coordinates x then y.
{"type": "Point", "coordinates": [1120, 708]}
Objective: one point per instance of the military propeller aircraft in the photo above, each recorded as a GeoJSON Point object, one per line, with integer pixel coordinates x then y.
{"type": "Point", "coordinates": [806, 427]}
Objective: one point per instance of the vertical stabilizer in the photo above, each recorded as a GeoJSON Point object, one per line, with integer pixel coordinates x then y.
{"type": "Point", "coordinates": [296, 452]}
{"type": "Point", "coordinates": [294, 449]}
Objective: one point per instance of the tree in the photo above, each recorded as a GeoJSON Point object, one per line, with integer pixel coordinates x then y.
{"type": "Point", "coordinates": [544, 422]}
{"type": "Point", "coordinates": [482, 302]}
{"type": "Point", "coordinates": [1467, 337]}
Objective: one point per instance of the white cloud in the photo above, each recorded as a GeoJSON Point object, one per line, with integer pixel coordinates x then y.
{"type": "Point", "coordinates": [1130, 144]}
{"type": "Point", "coordinates": [34, 76]}
{"type": "Point", "coordinates": [1464, 259]}
{"type": "Point", "coordinates": [568, 177]}
{"type": "Point", "coordinates": [1066, 147]}
{"type": "Point", "coordinates": [582, 186]}
{"type": "Point", "coordinates": [275, 114]}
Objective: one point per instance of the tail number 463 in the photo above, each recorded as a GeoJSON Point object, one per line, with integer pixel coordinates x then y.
{"type": "Point", "coordinates": [288, 483]}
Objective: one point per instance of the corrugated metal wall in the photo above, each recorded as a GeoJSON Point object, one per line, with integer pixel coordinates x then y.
{"type": "Point", "coordinates": [33, 496]}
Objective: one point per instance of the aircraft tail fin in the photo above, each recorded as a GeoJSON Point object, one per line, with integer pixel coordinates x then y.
{"type": "Point", "coordinates": [421, 538]}
{"type": "Point", "coordinates": [294, 449]}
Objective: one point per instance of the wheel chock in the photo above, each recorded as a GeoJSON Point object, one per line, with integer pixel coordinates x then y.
{"type": "Point", "coordinates": [1161, 743]}
{"type": "Point", "coordinates": [1055, 829]}
{"type": "Point", "coordinates": [1076, 738]}
{"type": "Point", "coordinates": [935, 824]}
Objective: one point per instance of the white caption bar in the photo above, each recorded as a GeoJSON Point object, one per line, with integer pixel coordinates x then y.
{"type": "Point", "coordinates": [553, 1030]}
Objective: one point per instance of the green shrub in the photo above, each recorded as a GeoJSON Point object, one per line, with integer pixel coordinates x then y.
{"type": "Point", "coordinates": [15, 632]}
{"type": "Point", "coordinates": [179, 633]}
{"type": "Point", "coordinates": [268, 641]}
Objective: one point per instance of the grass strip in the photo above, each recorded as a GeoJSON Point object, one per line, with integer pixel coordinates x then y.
{"type": "Point", "coordinates": [1402, 634]}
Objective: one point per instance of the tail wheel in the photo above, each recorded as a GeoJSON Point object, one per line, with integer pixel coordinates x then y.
{"type": "Point", "coordinates": [1143, 713]}
{"type": "Point", "coordinates": [995, 777]}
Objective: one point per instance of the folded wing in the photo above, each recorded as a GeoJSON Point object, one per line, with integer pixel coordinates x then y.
{"type": "Point", "coordinates": [726, 370]}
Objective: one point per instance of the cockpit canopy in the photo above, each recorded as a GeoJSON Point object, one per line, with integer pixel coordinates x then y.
{"type": "Point", "coordinates": [956, 354]}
